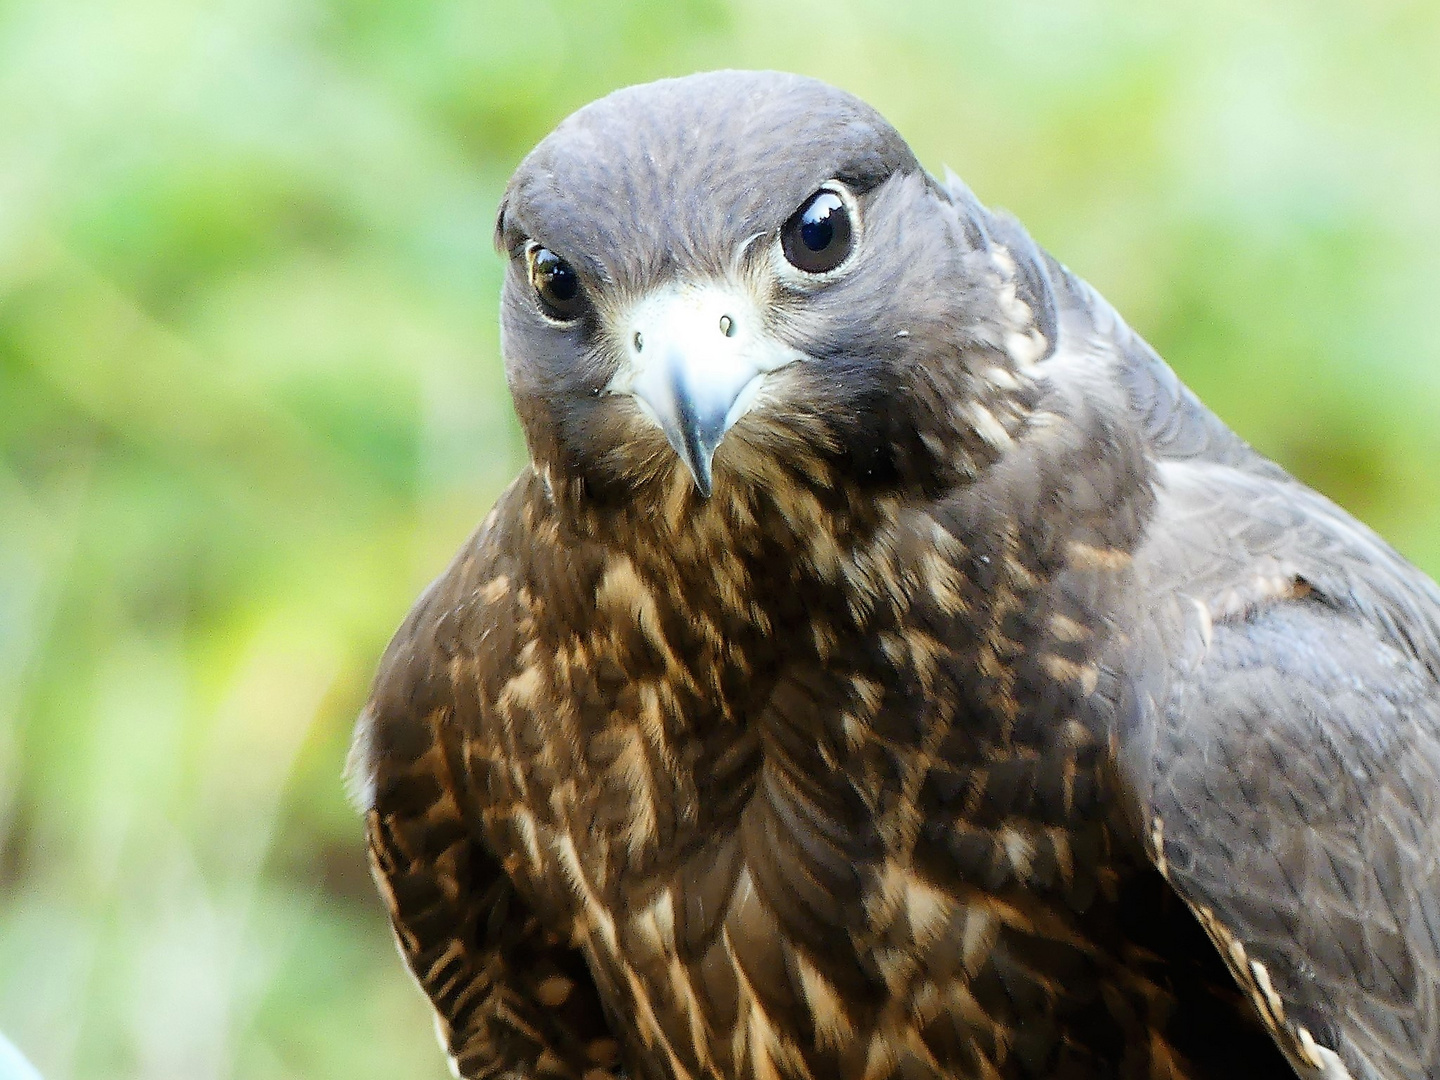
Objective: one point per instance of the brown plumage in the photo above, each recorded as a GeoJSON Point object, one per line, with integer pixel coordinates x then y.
{"type": "Point", "coordinates": [885, 667]}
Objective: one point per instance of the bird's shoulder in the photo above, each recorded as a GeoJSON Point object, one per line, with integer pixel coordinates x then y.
{"type": "Point", "coordinates": [460, 642]}
{"type": "Point", "coordinates": [1083, 343]}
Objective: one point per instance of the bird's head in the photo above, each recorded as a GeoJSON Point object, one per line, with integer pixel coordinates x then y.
{"type": "Point", "coordinates": [748, 276]}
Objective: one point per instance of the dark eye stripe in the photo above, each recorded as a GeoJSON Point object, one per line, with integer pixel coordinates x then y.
{"type": "Point", "coordinates": [819, 235]}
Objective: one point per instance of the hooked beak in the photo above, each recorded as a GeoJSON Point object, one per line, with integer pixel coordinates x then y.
{"type": "Point", "coordinates": [697, 356]}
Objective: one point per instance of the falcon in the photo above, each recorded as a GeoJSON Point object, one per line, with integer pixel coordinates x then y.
{"type": "Point", "coordinates": [884, 666]}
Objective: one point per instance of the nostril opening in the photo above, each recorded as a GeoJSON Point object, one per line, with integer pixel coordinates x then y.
{"type": "Point", "coordinates": [639, 342]}
{"type": "Point", "coordinates": [727, 326]}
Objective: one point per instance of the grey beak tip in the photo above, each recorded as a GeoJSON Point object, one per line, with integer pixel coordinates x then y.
{"type": "Point", "coordinates": [697, 464]}
{"type": "Point", "coordinates": [697, 440]}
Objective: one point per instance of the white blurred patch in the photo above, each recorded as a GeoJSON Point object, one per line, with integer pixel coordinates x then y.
{"type": "Point", "coordinates": [360, 764]}
{"type": "Point", "coordinates": [1323, 1058]}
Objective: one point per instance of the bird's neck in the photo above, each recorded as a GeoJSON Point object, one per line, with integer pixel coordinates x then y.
{"type": "Point", "coordinates": [794, 567]}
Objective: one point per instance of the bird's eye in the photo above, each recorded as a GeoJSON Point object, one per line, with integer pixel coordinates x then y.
{"type": "Point", "coordinates": [818, 236]}
{"type": "Point", "coordinates": [556, 284]}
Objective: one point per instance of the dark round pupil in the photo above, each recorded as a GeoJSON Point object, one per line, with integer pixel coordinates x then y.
{"type": "Point", "coordinates": [555, 276]}
{"type": "Point", "coordinates": [817, 229]}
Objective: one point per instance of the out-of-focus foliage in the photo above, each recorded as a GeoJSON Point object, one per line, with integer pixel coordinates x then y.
{"type": "Point", "coordinates": [251, 399]}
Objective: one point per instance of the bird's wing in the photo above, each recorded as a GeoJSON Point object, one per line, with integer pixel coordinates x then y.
{"type": "Point", "coordinates": [1282, 750]}
{"type": "Point", "coordinates": [511, 998]}
{"type": "Point", "coordinates": [1278, 734]}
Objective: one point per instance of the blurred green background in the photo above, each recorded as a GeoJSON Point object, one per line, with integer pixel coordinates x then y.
{"type": "Point", "coordinates": [251, 399]}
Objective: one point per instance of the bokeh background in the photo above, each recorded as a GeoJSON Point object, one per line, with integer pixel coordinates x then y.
{"type": "Point", "coordinates": [251, 399]}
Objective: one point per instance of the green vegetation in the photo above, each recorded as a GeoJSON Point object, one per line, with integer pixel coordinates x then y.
{"type": "Point", "coordinates": [251, 399]}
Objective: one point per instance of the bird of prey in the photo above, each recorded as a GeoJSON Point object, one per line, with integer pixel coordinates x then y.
{"type": "Point", "coordinates": [884, 666]}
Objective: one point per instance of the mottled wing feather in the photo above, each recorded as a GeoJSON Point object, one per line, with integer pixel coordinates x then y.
{"type": "Point", "coordinates": [511, 997]}
{"type": "Point", "coordinates": [1286, 763]}
{"type": "Point", "coordinates": [508, 995]}
{"type": "Point", "coordinates": [1296, 781]}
